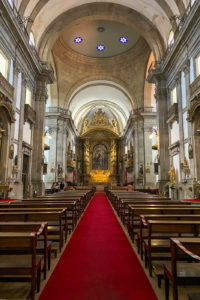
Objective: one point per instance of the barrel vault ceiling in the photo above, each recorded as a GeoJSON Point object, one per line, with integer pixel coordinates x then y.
{"type": "Point", "coordinates": [100, 50]}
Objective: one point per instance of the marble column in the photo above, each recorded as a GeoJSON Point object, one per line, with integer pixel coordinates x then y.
{"type": "Point", "coordinates": [139, 152]}
{"type": "Point", "coordinates": [38, 136]}
{"type": "Point", "coordinates": [161, 97]}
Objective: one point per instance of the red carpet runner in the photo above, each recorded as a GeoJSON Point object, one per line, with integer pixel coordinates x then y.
{"type": "Point", "coordinates": [98, 262]}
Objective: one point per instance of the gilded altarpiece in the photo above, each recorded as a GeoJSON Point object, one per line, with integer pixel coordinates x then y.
{"type": "Point", "coordinates": [100, 150]}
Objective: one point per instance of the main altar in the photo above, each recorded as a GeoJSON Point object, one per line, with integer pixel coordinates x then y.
{"type": "Point", "coordinates": [100, 137]}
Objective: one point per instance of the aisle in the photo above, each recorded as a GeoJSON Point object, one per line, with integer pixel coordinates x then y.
{"type": "Point", "coordinates": [98, 262]}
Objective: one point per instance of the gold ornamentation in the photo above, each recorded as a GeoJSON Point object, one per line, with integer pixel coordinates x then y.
{"type": "Point", "coordinates": [185, 166]}
{"type": "Point", "coordinates": [85, 126]}
{"type": "Point", "coordinates": [190, 151]}
{"type": "Point", "coordinates": [11, 151]}
{"type": "Point", "coordinates": [114, 122]}
{"type": "Point", "coordinates": [148, 168]}
{"type": "Point", "coordinates": [172, 174]}
{"type": "Point", "coordinates": [100, 175]}
{"type": "Point", "coordinates": [100, 121]}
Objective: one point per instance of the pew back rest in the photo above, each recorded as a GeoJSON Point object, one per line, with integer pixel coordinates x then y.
{"type": "Point", "coordinates": [164, 210]}
{"type": "Point", "coordinates": [9, 240]}
{"type": "Point", "coordinates": [172, 226]}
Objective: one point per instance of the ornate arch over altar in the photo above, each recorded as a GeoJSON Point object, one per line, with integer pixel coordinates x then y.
{"type": "Point", "coordinates": [100, 137]}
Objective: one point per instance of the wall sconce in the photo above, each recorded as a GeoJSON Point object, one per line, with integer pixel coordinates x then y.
{"type": "Point", "coordinates": [151, 134]}
{"type": "Point", "coordinates": [49, 132]}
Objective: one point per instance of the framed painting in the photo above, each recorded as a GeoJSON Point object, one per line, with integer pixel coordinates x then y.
{"type": "Point", "coordinates": [100, 157]}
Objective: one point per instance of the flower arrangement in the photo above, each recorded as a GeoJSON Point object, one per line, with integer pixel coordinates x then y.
{"type": "Point", "coordinates": [16, 180]}
{"type": "Point", "coordinates": [184, 180]}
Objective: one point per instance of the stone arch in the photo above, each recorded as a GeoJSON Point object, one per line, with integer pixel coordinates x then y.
{"type": "Point", "coordinates": [107, 11]}
{"type": "Point", "coordinates": [7, 106]}
{"type": "Point", "coordinates": [193, 109]}
{"type": "Point", "coordinates": [86, 95]}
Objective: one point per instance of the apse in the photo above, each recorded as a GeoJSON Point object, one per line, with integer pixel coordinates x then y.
{"type": "Point", "coordinates": [108, 96]}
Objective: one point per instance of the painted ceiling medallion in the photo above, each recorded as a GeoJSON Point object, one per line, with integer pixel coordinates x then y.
{"type": "Point", "coordinates": [78, 40]}
{"type": "Point", "coordinates": [101, 47]}
{"type": "Point", "coordinates": [123, 40]}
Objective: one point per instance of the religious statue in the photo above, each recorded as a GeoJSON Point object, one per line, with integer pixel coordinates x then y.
{"type": "Point", "coordinates": [172, 174]}
{"type": "Point", "coordinates": [114, 122]}
{"type": "Point", "coordinates": [11, 151]}
{"type": "Point", "coordinates": [185, 166]}
{"type": "Point", "coordinates": [60, 171]}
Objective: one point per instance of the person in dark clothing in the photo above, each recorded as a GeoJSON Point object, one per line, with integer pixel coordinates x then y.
{"type": "Point", "coordinates": [62, 186]}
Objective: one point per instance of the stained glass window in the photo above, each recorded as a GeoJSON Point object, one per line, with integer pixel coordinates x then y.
{"type": "Point", "coordinates": [101, 47]}
{"type": "Point", "coordinates": [123, 40]}
{"type": "Point", "coordinates": [78, 40]}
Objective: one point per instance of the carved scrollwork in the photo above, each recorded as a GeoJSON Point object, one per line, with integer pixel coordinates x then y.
{"type": "Point", "coordinates": [5, 103]}
{"type": "Point", "coordinates": [195, 104]}
{"type": "Point", "coordinates": [100, 121]}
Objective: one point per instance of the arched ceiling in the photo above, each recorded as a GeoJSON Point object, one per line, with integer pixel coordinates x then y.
{"type": "Point", "coordinates": [56, 23]}
{"type": "Point", "coordinates": [99, 38]}
{"type": "Point", "coordinates": [108, 96]}
{"type": "Point", "coordinates": [158, 12]}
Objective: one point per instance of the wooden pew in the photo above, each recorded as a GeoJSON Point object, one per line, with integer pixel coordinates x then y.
{"type": "Point", "coordinates": [142, 234]}
{"type": "Point", "coordinates": [73, 207]}
{"type": "Point", "coordinates": [157, 246]}
{"type": "Point", "coordinates": [136, 211]}
{"type": "Point", "coordinates": [79, 204]}
{"type": "Point", "coordinates": [123, 210]}
{"type": "Point", "coordinates": [73, 212]}
{"type": "Point", "coordinates": [26, 266]}
{"type": "Point", "coordinates": [113, 196]}
{"type": "Point", "coordinates": [41, 209]}
{"type": "Point", "coordinates": [182, 273]}
{"type": "Point", "coordinates": [53, 217]}
{"type": "Point", "coordinates": [119, 198]}
{"type": "Point", "coordinates": [83, 198]}
{"type": "Point", "coordinates": [43, 246]}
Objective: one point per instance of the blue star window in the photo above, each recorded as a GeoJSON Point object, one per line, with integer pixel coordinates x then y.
{"type": "Point", "coordinates": [101, 47]}
{"type": "Point", "coordinates": [78, 40]}
{"type": "Point", "coordinates": [123, 40]}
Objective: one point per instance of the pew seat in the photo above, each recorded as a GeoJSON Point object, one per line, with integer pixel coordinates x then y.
{"type": "Point", "coordinates": [158, 248]}
{"type": "Point", "coordinates": [17, 267]}
{"type": "Point", "coordinates": [179, 272]}
{"type": "Point", "coordinates": [17, 291]}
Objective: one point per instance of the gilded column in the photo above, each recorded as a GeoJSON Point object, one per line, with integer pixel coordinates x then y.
{"type": "Point", "coordinates": [86, 165]}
